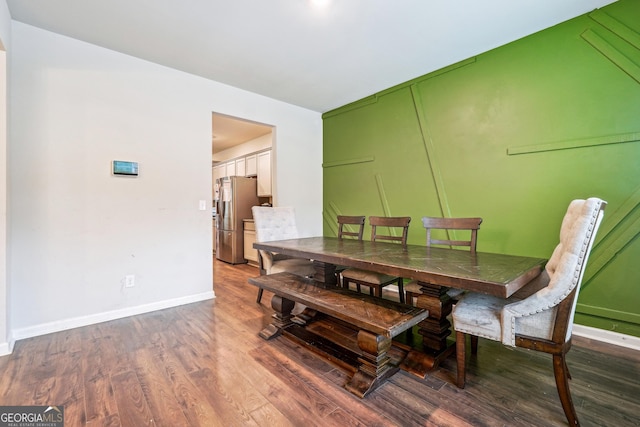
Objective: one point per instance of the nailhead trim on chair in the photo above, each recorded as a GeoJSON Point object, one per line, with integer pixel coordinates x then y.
{"type": "Point", "coordinates": [510, 340]}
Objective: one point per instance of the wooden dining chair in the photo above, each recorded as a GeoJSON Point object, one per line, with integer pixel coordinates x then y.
{"type": "Point", "coordinates": [278, 223]}
{"type": "Point", "coordinates": [355, 231]}
{"type": "Point", "coordinates": [468, 226]}
{"type": "Point", "coordinates": [539, 316]}
{"type": "Point", "coordinates": [377, 281]}
{"type": "Point", "coordinates": [345, 221]}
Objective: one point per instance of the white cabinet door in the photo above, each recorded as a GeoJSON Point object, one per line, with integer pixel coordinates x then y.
{"type": "Point", "coordinates": [264, 174]}
{"type": "Point", "coordinates": [251, 166]}
{"type": "Point", "coordinates": [219, 171]}
{"type": "Point", "coordinates": [231, 168]}
{"type": "Point", "coordinates": [240, 167]}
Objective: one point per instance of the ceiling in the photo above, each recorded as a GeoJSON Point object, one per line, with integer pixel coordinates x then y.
{"type": "Point", "coordinates": [231, 131]}
{"type": "Point", "coordinates": [319, 58]}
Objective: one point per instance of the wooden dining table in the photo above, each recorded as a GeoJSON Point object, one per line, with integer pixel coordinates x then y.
{"type": "Point", "coordinates": [435, 269]}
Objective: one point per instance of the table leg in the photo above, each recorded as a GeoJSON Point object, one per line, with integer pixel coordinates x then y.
{"type": "Point", "coordinates": [374, 364]}
{"type": "Point", "coordinates": [434, 330]}
{"type": "Point", "coordinates": [325, 274]}
{"type": "Point", "coordinates": [281, 317]}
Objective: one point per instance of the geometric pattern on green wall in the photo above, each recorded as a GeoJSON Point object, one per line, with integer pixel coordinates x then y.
{"type": "Point", "coordinates": [623, 32]}
{"type": "Point", "coordinates": [620, 45]}
{"type": "Point", "coordinates": [512, 136]}
{"type": "Point", "coordinates": [622, 227]}
{"type": "Point", "coordinates": [332, 210]}
{"type": "Point", "coordinates": [576, 143]}
{"type": "Point", "coordinates": [430, 149]}
{"type": "Point", "coordinates": [609, 51]}
{"type": "Point", "coordinates": [620, 36]}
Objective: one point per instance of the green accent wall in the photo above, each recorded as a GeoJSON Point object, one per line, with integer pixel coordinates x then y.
{"type": "Point", "coordinates": [511, 135]}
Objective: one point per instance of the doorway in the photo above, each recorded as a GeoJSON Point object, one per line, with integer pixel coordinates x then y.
{"type": "Point", "coordinates": [240, 148]}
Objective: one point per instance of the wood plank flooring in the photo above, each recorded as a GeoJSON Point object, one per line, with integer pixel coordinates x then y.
{"type": "Point", "coordinates": [203, 364]}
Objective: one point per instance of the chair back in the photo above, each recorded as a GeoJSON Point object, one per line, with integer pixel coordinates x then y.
{"type": "Point", "coordinates": [344, 220]}
{"type": "Point", "coordinates": [392, 223]}
{"type": "Point", "coordinates": [563, 276]}
{"type": "Point", "coordinates": [274, 223]}
{"type": "Point", "coordinates": [469, 224]}
{"type": "Point", "coordinates": [567, 264]}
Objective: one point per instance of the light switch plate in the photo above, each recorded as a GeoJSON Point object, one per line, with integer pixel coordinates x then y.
{"type": "Point", "coordinates": [203, 205]}
{"type": "Point", "coordinates": [129, 281]}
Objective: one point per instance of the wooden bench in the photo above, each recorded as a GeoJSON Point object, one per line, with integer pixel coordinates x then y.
{"type": "Point", "coordinates": [375, 322]}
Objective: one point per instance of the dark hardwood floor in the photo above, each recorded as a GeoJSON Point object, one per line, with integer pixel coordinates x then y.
{"type": "Point", "coordinates": [203, 364]}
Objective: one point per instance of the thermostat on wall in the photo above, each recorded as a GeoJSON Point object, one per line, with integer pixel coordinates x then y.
{"type": "Point", "coordinates": [125, 168]}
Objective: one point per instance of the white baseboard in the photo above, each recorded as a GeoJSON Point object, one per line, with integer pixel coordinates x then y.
{"type": "Point", "coordinates": [63, 325]}
{"type": "Point", "coordinates": [607, 336]}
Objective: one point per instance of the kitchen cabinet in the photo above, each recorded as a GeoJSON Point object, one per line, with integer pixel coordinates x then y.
{"type": "Point", "coordinates": [240, 167]}
{"type": "Point", "coordinates": [250, 254]}
{"type": "Point", "coordinates": [219, 171]}
{"type": "Point", "coordinates": [264, 173]}
{"type": "Point", "coordinates": [231, 168]}
{"type": "Point", "coordinates": [251, 165]}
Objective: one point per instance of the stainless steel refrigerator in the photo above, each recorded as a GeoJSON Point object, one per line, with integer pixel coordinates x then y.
{"type": "Point", "coordinates": [235, 197]}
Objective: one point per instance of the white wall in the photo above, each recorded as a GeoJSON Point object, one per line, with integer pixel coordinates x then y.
{"type": "Point", "coordinates": [5, 43]}
{"type": "Point", "coordinates": [77, 230]}
{"type": "Point", "coordinates": [295, 165]}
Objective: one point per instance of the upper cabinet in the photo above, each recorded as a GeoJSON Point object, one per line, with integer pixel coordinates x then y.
{"type": "Point", "coordinates": [257, 164]}
{"type": "Point", "coordinates": [251, 165]}
{"type": "Point", "coordinates": [241, 167]}
{"type": "Point", "coordinates": [231, 168]}
{"type": "Point", "coordinates": [219, 171]}
{"type": "Point", "coordinates": [264, 173]}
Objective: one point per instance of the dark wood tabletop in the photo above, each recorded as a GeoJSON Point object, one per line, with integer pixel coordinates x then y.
{"type": "Point", "coordinates": [495, 274]}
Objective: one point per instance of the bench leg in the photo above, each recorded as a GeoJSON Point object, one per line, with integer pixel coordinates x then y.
{"type": "Point", "coordinates": [305, 317]}
{"type": "Point", "coordinates": [374, 366]}
{"type": "Point", "coordinates": [281, 317]}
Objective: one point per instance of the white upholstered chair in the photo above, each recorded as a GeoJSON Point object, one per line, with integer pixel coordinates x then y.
{"type": "Point", "coordinates": [540, 319]}
{"type": "Point", "coordinates": [278, 223]}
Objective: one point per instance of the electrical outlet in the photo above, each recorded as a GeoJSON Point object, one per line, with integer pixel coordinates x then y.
{"type": "Point", "coordinates": [129, 281]}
